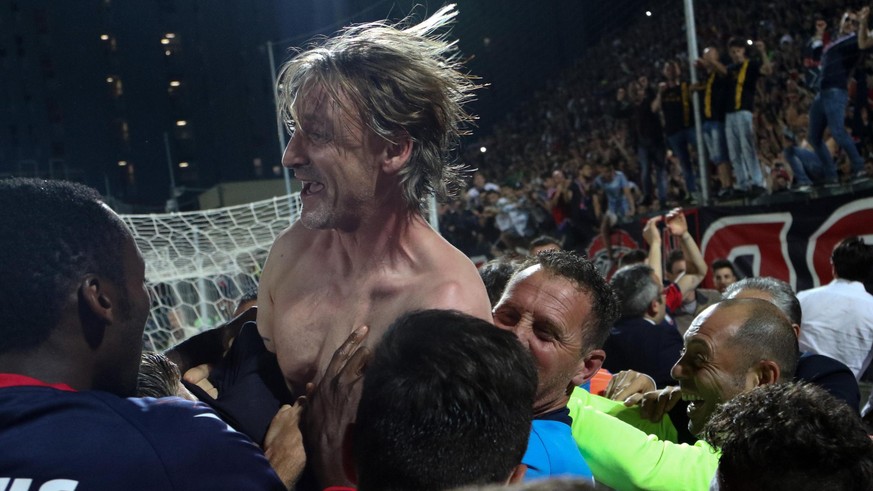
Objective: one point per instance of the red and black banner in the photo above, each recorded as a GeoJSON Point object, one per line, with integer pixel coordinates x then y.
{"type": "Point", "coordinates": [790, 241]}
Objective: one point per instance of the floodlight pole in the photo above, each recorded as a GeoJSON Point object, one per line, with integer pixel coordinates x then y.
{"type": "Point", "coordinates": [280, 127]}
{"type": "Point", "coordinates": [691, 33]}
{"type": "Point", "coordinates": [172, 203]}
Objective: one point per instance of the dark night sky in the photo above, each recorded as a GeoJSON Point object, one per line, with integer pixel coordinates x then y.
{"type": "Point", "coordinates": [55, 102]}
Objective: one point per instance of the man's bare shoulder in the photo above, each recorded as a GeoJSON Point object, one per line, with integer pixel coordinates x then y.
{"type": "Point", "coordinates": [456, 283]}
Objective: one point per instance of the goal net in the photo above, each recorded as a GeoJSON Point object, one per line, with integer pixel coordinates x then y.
{"type": "Point", "coordinates": [199, 264]}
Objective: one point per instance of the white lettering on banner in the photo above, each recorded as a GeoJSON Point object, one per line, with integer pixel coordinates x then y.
{"type": "Point", "coordinates": [23, 484]}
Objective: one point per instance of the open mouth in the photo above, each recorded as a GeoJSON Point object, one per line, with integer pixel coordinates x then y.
{"type": "Point", "coordinates": [311, 187]}
{"type": "Point", "coordinates": [694, 402]}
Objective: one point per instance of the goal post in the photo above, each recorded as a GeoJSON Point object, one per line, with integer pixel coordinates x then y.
{"type": "Point", "coordinates": [199, 264]}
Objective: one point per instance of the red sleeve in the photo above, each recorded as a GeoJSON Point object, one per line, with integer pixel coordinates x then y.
{"type": "Point", "coordinates": [674, 298]}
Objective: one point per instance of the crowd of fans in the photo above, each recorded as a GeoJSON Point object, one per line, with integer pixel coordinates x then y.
{"type": "Point", "coordinates": [578, 153]}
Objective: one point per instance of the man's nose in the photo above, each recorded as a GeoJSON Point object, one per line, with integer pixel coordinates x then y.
{"type": "Point", "coordinates": [294, 155]}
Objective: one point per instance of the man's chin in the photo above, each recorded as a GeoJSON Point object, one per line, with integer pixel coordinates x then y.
{"type": "Point", "coordinates": [314, 220]}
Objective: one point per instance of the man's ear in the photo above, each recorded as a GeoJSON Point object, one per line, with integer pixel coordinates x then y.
{"type": "Point", "coordinates": [95, 308]}
{"type": "Point", "coordinates": [796, 329]}
{"type": "Point", "coordinates": [517, 474]}
{"type": "Point", "coordinates": [588, 367]}
{"type": "Point", "coordinates": [397, 154]}
{"type": "Point", "coordinates": [348, 454]}
{"type": "Point", "coordinates": [652, 310]}
{"type": "Point", "coordinates": [767, 372]}
{"type": "Point", "coordinates": [94, 301]}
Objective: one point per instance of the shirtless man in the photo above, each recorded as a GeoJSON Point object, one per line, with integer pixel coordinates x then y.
{"type": "Point", "coordinates": [372, 113]}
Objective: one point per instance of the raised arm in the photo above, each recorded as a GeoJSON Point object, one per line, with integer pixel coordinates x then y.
{"type": "Point", "coordinates": [766, 66]}
{"type": "Point", "coordinates": [656, 102]}
{"type": "Point", "coordinates": [653, 237]}
{"type": "Point", "coordinates": [864, 39]}
{"type": "Point", "coordinates": [696, 267]}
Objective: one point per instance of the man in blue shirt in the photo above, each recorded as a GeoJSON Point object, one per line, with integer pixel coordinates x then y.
{"type": "Point", "coordinates": [561, 309]}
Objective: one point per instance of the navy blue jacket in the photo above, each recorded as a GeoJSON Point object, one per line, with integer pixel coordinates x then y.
{"type": "Point", "coordinates": [94, 440]}
{"type": "Point", "coordinates": [830, 374]}
{"type": "Point", "coordinates": [636, 344]}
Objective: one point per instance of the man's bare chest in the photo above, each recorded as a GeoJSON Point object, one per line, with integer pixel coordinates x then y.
{"type": "Point", "coordinates": [322, 309]}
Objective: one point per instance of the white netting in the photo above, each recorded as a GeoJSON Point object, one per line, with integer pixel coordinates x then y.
{"type": "Point", "coordinates": [199, 264]}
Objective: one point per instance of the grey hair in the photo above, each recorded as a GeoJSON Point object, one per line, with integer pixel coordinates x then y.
{"type": "Point", "coordinates": [402, 82]}
{"type": "Point", "coordinates": [635, 289]}
{"type": "Point", "coordinates": [781, 294]}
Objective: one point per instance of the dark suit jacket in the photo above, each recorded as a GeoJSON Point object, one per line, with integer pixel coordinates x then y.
{"type": "Point", "coordinates": [637, 344]}
{"type": "Point", "coordinates": [832, 375]}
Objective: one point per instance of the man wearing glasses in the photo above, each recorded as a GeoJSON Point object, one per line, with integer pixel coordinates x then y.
{"type": "Point", "coordinates": [829, 107]}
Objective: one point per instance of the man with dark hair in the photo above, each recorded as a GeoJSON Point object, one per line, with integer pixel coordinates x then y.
{"type": "Point", "coordinates": [724, 274]}
{"type": "Point", "coordinates": [496, 273]}
{"type": "Point", "coordinates": [673, 101]}
{"type": "Point", "coordinates": [74, 310]}
{"type": "Point", "coordinates": [561, 309]}
{"type": "Point", "coordinates": [838, 317]}
{"type": "Point", "coordinates": [447, 401]}
{"type": "Point", "coordinates": [675, 265]}
{"type": "Point", "coordinates": [640, 340]}
{"type": "Point", "coordinates": [713, 111]}
{"type": "Point", "coordinates": [634, 256]}
{"type": "Point", "coordinates": [790, 437]}
{"type": "Point", "coordinates": [683, 300]}
{"type": "Point", "coordinates": [832, 375]}
{"type": "Point", "coordinates": [544, 243]}
{"type": "Point", "coordinates": [374, 113]}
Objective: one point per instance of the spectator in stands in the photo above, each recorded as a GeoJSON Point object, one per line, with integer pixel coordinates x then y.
{"type": "Point", "coordinates": [838, 317]}
{"type": "Point", "coordinates": [368, 154]}
{"type": "Point", "coordinates": [561, 308]}
{"type": "Point", "coordinates": [834, 376]}
{"type": "Point", "coordinates": [460, 226]}
{"type": "Point", "coordinates": [673, 100]}
{"type": "Point", "coordinates": [583, 222]}
{"type": "Point", "coordinates": [743, 74]}
{"type": "Point", "coordinates": [496, 273]}
{"type": "Point", "coordinates": [828, 110]}
{"type": "Point", "coordinates": [446, 402]}
{"type": "Point", "coordinates": [69, 355]}
{"type": "Point", "coordinates": [614, 201]}
{"type": "Point", "coordinates": [724, 274]}
{"type": "Point", "coordinates": [648, 135]}
{"type": "Point", "coordinates": [632, 257]}
{"type": "Point", "coordinates": [682, 291]}
{"type": "Point", "coordinates": [714, 107]}
{"type": "Point", "coordinates": [817, 444]}
{"type": "Point", "coordinates": [807, 168]}
{"type": "Point", "coordinates": [674, 266]}
{"type": "Point", "coordinates": [813, 51]}
{"type": "Point", "coordinates": [640, 340]}
{"type": "Point", "coordinates": [478, 189]}
{"type": "Point", "coordinates": [544, 243]}
{"type": "Point", "coordinates": [560, 198]}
